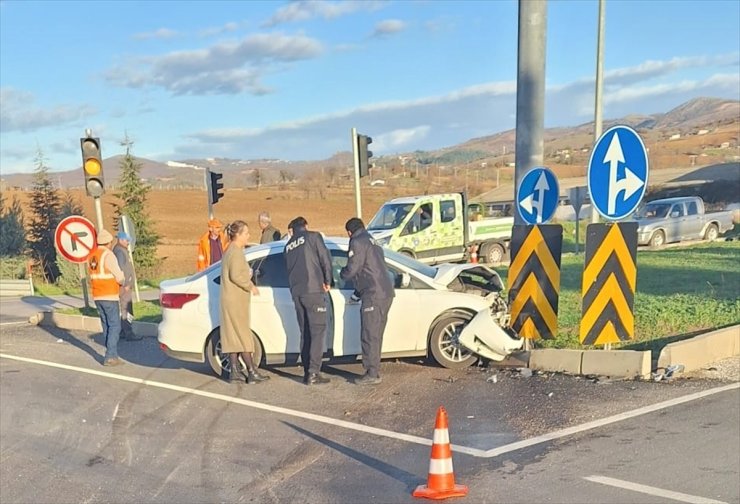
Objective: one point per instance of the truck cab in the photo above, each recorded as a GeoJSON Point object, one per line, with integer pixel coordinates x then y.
{"type": "Point", "coordinates": [429, 228]}
{"type": "Point", "coordinates": [437, 228]}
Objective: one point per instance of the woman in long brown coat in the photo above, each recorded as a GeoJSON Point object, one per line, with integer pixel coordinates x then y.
{"type": "Point", "coordinates": [236, 294]}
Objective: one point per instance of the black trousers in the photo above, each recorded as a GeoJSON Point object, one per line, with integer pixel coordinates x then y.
{"type": "Point", "coordinates": [373, 319]}
{"type": "Point", "coordinates": [311, 312]}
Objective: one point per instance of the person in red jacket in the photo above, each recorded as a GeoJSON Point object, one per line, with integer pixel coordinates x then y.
{"type": "Point", "coordinates": [212, 245]}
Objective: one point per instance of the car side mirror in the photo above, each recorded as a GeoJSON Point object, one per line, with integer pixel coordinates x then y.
{"type": "Point", "coordinates": [674, 214]}
{"type": "Point", "coordinates": [405, 280]}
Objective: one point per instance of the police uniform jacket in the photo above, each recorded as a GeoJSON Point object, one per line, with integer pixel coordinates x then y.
{"type": "Point", "coordinates": [308, 263]}
{"type": "Point", "coordinates": [366, 268]}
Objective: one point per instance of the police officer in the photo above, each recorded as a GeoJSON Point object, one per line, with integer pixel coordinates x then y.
{"type": "Point", "coordinates": [309, 275]}
{"type": "Point", "coordinates": [366, 268]}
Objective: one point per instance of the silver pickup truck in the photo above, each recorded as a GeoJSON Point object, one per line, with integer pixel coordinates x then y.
{"type": "Point", "coordinates": [679, 219]}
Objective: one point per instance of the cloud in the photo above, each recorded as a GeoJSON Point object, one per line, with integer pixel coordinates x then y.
{"type": "Point", "coordinates": [304, 10]}
{"type": "Point", "coordinates": [223, 68]}
{"type": "Point", "coordinates": [434, 122]}
{"type": "Point", "coordinates": [388, 27]}
{"type": "Point", "coordinates": [19, 112]}
{"type": "Point", "coordinates": [160, 34]}
{"type": "Point", "coordinates": [219, 30]}
{"type": "Point", "coordinates": [401, 138]}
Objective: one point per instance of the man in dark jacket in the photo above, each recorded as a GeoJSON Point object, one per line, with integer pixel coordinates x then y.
{"type": "Point", "coordinates": [126, 290]}
{"type": "Point", "coordinates": [309, 274]}
{"type": "Point", "coordinates": [269, 232]}
{"type": "Point", "coordinates": [367, 270]}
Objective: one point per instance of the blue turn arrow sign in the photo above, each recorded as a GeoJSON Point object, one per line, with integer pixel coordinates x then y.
{"type": "Point", "coordinates": [538, 195]}
{"type": "Point", "coordinates": [618, 172]}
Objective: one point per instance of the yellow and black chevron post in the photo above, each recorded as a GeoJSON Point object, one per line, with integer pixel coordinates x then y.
{"type": "Point", "coordinates": [609, 279]}
{"type": "Point", "coordinates": [534, 279]}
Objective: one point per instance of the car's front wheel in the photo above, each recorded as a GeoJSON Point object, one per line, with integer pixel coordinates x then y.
{"type": "Point", "coordinates": [219, 361]}
{"type": "Point", "coordinates": [444, 342]}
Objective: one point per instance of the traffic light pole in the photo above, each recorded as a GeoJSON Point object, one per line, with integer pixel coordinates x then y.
{"type": "Point", "coordinates": [356, 152]}
{"type": "Point", "coordinates": [98, 213]}
{"type": "Point", "coordinates": [208, 193]}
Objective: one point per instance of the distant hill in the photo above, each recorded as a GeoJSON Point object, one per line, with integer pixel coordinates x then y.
{"type": "Point", "coordinates": [689, 118]}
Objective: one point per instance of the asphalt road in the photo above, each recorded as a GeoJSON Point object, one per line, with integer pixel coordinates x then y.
{"type": "Point", "coordinates": [158, 430]}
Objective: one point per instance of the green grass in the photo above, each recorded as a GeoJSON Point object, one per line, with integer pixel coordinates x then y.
{"type": "Point", "coordinates": [144, 311]}
{"type": "Point", "coordinates": [679, 292]}
{"type": "Point", "coordinates": [47, 289]}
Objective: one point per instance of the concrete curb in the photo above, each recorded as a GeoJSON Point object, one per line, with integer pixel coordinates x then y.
{"type": "Point", "coordinates": [612, 363]}
{"type": "Point", "coordinates": [699, 351]}
{"type": "Point", "coordinates": [82, 323]}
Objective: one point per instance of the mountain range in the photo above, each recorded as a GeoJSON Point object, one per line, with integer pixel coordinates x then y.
{"type": "Point", "coordinates": [689, 118]}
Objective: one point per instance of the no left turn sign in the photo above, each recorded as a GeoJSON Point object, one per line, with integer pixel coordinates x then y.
{"type": "Point", "coordinates": [75, 238]}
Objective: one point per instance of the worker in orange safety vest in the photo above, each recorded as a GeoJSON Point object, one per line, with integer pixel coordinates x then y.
{"type": "Point", "coordinates": [106, 279]}
{"type": "Point", "coordinates": [211, 245]}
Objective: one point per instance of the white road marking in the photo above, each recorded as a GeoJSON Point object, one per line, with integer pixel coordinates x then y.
{"type": "Point", "coordinates": [476, 452]}
{"type": "Point", "coordinates": [518, 445]}
{"type": "Point", "coordinates": [16, 322]}
{"type": "Point", "coordinates": [252, 404]}
{"type": "Point", "coordinates": [649, 490]}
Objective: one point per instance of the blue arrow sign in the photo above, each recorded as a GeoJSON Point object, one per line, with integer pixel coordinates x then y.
{"type": "Point", "coordinates": [537, 196]}
{"type": "Point", "coordinates": [618, 173]}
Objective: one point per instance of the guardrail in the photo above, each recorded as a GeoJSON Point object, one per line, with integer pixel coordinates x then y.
{"type": "Point", "coordinates": [16, 287]}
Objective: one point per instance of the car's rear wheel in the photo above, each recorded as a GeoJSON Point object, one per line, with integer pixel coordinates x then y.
{"type": "Point", "coordinates": [444, 342]}
{"type": "Point", "coordinates": [219, 361]}
{"type": "Point", "coordinates": [711, 233]}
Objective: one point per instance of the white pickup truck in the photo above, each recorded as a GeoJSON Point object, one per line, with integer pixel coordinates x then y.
{"type": "Point", "coordinates": [679, 219]}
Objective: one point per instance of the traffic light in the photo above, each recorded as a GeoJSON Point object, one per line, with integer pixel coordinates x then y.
{"type": "Point", "coordinates": [92, 166]}
{"type": "Point", "coordinates": [216, 186]}
{"type": "Point", "coordinates": [364, 154]}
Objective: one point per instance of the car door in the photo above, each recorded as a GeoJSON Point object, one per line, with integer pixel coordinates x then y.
{"type": "Point", "coordinates": [675, 222]}
{"type": "Point", "coordinates": [273, 316]}
{"type": "Point", "coordinates": [419, 232]}
{"type": "Point", "coordinates": [693, 222]}
{"type": "Point", "coordinates": [401, 330]}
{"type": "Point", "coordinates": [450, 238]}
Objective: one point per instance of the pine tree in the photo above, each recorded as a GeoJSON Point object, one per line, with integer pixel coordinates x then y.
{"type": "Point", "coordinates": [45, 215]}
{"type": "Point", "coordinates": [133, 193]}
{"type": "Point", "coordinates": [12, 232]}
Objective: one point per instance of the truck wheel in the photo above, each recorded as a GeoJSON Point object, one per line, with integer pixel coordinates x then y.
{"type": "Point", "coordinates": [658, 239]}
{"type": "Point", "coordinates": [408, 253]}
{"type": "Point", "coordinates": [493, 253]}
{"type": "Point", "coordinates": [445, 345]}
{"type": "Point", "coordinates": [711, 233]}
{"type": "Point", "coordinates": [219, 361]}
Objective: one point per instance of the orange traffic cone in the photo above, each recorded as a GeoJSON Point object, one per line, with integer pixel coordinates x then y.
{"type": "Point", "coordinates": [441, 482]}
{"type": "Point", "coordinates": [474, 257]}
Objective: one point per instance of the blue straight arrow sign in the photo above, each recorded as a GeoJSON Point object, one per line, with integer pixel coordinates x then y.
{"type": "Point", "coordinates": [618, 173]}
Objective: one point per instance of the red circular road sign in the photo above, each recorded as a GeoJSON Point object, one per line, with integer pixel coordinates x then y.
{"type": "Point", "coordinates": [75, 238]}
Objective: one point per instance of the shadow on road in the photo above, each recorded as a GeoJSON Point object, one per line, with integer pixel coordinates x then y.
{"type": "Point", "coordinates": [145, 352]}
{"type": "Point", "coordinates": [410, 480]}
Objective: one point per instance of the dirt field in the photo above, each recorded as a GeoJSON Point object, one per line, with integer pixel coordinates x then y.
{"type": "Point", "coordinates": [181, 216]}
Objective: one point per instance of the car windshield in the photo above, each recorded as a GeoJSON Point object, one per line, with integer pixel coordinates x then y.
{"type": "Point", "coordinates": [654, 211]}
{"type": "Point", "coordinates": [390, 216]}
{"type": "Point", "coordinates": [411, 263]}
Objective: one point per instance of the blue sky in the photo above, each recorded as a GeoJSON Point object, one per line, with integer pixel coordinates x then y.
{"type": "Point", "coordinates": [288, 80]}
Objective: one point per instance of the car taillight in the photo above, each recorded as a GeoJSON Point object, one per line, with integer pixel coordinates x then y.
{"type": "Point", "coordinates": [175, 300]}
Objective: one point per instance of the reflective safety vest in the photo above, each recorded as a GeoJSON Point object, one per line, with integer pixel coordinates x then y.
{"type": "Point", "coordinates": [103, 282]}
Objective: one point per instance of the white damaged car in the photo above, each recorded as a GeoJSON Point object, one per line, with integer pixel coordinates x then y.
{"type": "Point", "coordinates": [454, 312]}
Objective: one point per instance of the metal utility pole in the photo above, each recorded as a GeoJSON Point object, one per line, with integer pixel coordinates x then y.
{"type": "Point", "coordinates": [530, 90]}
{"type": "Point", "coordinates": [356, 152]}
{"type": "Point", "coordinates": [598, 117]}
